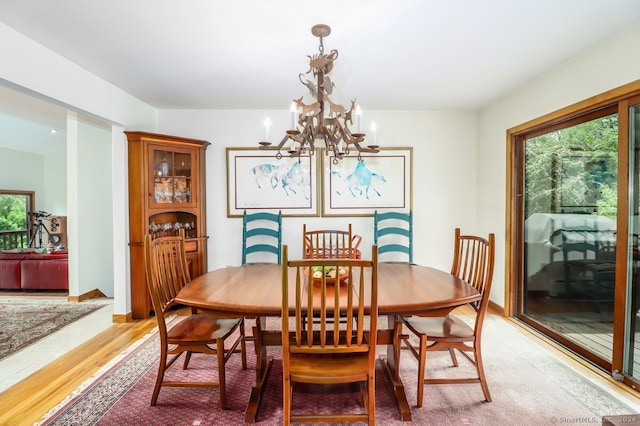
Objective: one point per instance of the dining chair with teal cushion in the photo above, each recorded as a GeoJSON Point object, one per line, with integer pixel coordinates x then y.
{"type": "Point", "coordinates": [261, 237]}
{"type": "Point", "coordinates": [393, 234]}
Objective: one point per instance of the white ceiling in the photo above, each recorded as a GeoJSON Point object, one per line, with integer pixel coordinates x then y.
{"type": "Point", "coordinates": [247, 54]}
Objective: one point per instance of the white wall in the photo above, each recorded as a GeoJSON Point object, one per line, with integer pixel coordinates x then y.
{"type": "Point", "coordinates": [91, 203]}
{"type": "Point", "coordinates": [55, 182]}
{"type": "Point", "coordinates": [22, 171]}
{"type": "Point", "coordinates": [609, 65]}
{"type": "Point", "coordinates": [444, 176]}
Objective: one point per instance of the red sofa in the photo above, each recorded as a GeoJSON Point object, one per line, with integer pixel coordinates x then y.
{"type": "Point", "coordinates": [33, 271]}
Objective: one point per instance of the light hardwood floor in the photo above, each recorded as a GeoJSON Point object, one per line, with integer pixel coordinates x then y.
{"type": "Point", "coordinates": [29, 400]}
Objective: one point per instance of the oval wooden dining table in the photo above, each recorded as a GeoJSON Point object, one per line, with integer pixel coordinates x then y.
{"type": "Point", "coordinates": [255, 291]}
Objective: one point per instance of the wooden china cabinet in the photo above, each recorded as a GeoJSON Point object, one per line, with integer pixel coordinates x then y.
{"type": "Point", "coordinates": [166, 193]}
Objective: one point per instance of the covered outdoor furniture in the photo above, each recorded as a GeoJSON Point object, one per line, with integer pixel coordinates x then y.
{"type": "Point", "coordinates": [544, 239]}
{"type": "Point", "coordinates": [167, 273]}
{"type": "Point", "coordinates": [473, 260]}
{"type": "Point", "coordinates": [589, 266]}
{"type": "Point", "coordinates": [324, 353]}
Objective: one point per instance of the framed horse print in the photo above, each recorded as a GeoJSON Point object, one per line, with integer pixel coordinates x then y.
{"type": "Point", "coordinates": [357, 185]}
{"type": "Point", "coordinates": [259, 181]}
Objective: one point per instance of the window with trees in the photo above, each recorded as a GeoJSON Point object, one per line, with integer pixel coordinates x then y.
{"type": "Point", "coordinates": [573, 168]}
{"type": "Point", "coordinates": [14, 218]}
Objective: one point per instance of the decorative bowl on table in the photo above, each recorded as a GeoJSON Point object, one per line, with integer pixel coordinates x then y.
{"type": "Point", "coordinates": [330, 273]}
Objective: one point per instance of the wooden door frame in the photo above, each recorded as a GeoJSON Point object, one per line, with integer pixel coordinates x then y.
{"type": "Point", "coordinates": [622, 97]}
{"type": "Point", "coordinates": [513, 251]}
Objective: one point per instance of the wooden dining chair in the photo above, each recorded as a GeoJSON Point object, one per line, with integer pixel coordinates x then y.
{"type": "Point", "coordinates": [330, 243]}
{"type": "Point", "coordinates": [326, 353]}
{"type": "Point", "coordinates": [261, 236]}
{"type": "Point", "coordinates": [393, 234]}
{"type": "Point", "coordinates": [473, 260]}
{"type": "Point", "coordinates": [167, 273]}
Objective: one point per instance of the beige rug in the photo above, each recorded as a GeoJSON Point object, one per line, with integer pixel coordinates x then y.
{"type": "Point", "coordinates": [23, 322]}
{"type": "Point", "coordinates": [528, 386]}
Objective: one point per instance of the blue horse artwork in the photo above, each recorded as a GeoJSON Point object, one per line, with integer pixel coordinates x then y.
{"type": "Point", "coordinates": [290, 177]}
{"type": "Point", "coordinates": [265, 173]}
{"type": "Point", "coordinates": [360, 181]}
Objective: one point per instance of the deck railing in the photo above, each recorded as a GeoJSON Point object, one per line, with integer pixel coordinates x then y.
{"type": "Point", "coordinates": [13, 239]}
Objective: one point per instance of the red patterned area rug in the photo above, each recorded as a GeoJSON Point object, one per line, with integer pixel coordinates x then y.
{"type": "Point", "coordinates": [528, 387]}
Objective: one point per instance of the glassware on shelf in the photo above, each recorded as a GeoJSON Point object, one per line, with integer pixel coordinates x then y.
{"type": "Point", "coordinates": [163, 190]}
{"type": "Point", "coordinates": [182, 164]}
{"type": "Point", "coordinates": [167, 229]}
{"type": "Point", "coordinates": [181, 190]}
{"type": "Point", "coordinates": [189, 229]}
{"type": "Point", "coordinates": [172, 177]}
{"type": "Point", "coordinates": [180, 168]}
{"type": "Point", "coordinates": [179, 195]}
{"type": "Point", "coordinates": [164, 165]}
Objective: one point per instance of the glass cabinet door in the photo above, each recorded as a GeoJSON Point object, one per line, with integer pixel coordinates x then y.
{"type": "Point", "coordinates": [172, 172]}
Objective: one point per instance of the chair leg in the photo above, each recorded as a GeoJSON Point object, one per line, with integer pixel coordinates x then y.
{"type": "Point", "coordinates": [286, 402]}
{"type": "Point", "coordinates": [371, 409]}
{"type": "Point", "coordinates": [162, 366]}
{"type": "Point", "coordinates": [243, 345]}
{"type": "Point", "coordinates": [481, 376]}
{"type": "Point", "coordinates": [421, 368]}
{"type": "Point", "coordinates": [187, 358]}
{"type": "Point", "coordinates": [454, 359]}
{"type": "Point", "coordinates": [221, 373]}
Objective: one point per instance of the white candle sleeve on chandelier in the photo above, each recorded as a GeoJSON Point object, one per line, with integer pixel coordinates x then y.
{"type": "Point", "coordinates": [374, 132]}
{"type": "Point", "coordinates": [293, 110]}
{"type": "Point", "coordinates": [358, 117]}
{"type": "Point", "coordinates": [267, 125]}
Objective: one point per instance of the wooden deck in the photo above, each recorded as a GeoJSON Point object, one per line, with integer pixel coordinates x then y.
{"type": "Point", "coordinates": [579, 323]}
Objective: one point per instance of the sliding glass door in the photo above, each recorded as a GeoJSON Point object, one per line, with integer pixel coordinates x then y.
{"type": "Point", "coordinates": [632, 328]}
{"type": "Point", "coordinates": [569, 210]}
{"type": "Point", "coordinates": [575, 239]}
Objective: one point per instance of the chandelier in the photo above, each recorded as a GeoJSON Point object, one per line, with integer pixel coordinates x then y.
{"type": "Point", "coordinates": [314, 122]}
